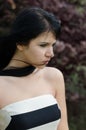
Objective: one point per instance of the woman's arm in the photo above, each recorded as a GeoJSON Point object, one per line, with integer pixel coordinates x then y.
{"type": "Point", "coordinates": [60, 96]}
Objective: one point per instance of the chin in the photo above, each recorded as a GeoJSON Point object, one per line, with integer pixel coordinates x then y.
{"type": "Point", "coordinates": [41, 66]}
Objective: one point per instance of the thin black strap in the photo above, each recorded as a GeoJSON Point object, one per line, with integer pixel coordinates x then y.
{"type": "Point", "coordinates": [21, 61]}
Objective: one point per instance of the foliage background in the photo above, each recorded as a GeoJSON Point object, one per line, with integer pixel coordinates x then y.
{"type": "Point", "coordinates": [70, 50]}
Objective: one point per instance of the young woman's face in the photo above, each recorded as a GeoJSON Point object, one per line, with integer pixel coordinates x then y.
{"type": "Point", "coordinates": [40, 50]}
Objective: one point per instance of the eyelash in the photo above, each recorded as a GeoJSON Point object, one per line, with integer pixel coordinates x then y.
{"type": "Point", "coordinates": [44, 45]}
{"type": "Point", "coordinates": [54, 44]}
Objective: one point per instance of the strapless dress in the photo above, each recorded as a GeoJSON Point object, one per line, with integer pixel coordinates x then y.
{"type": "Point", "coordinates": [37, 113]}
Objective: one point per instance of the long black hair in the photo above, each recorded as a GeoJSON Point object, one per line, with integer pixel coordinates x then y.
{"type": "Point", "coordinates": [29, 23]}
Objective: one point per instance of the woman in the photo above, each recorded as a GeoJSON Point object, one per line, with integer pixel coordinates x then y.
{"type": "Point", "coordinates": [33, 94]}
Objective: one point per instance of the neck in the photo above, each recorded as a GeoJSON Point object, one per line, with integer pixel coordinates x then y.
{"type": "Point", "coordinates": [18, 63]}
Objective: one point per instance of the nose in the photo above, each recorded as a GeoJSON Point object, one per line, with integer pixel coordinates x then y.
{"type": "Point", "coordinates": [49, 52]}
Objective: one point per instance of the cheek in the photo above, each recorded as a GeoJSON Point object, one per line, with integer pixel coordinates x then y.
{"type": "Point", "coordinates": [38, 52]}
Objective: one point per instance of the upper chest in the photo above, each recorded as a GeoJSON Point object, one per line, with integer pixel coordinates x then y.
{"type": "Point", "coordinates": [15, 89]}
{"type": "Point", "coordinates": [27, 83]}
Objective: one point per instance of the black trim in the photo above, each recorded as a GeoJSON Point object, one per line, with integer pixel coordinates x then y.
{"type": "Point", "coordinates": [17, 72]}
{"type": "Point", "coordinates": [35, 118]}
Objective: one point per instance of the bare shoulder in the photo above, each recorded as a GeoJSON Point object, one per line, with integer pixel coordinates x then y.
{"type": "Point", "coordinates": [2, 87]}
{"type": "Point", "coordinates": [55, 77]}
{"type": "Point", "coordinates": [53, 73]}
{"type": "Point", "coordinates": [4, 83]}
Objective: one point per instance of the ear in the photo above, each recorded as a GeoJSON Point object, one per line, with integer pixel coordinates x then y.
{"type": "Point", "coordinates": [19, 47]}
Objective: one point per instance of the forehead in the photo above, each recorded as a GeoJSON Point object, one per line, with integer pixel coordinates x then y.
{"type": "Point", "coordinates": [44, 37]}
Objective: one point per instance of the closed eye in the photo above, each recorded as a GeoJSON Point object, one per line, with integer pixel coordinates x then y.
{"type": "Point", "coordinates": [54, 44]}
{"type": "Point", "coordinates": [47, 44]}
{"type": "Point", "coordinates": [43, 45]}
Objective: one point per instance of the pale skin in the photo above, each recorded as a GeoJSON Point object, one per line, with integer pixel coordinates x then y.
{"type": "Point", "coordinates": [44, 80]}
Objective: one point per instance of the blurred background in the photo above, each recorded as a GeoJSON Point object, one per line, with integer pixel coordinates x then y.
{"type": "Point", "coordinates": [70, 49]}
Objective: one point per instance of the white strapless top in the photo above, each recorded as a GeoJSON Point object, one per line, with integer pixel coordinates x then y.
{"type": "Point", "coordinates": [37, 113]}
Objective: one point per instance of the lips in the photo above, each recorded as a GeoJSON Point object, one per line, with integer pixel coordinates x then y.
{"type": "Point", "coordinates": [46, 62]}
